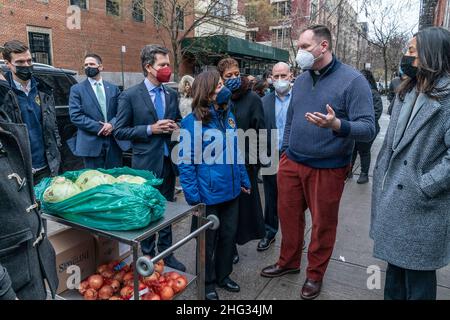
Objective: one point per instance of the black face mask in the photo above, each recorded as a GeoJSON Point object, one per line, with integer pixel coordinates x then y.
{"type": "Point", "coordinates": [407, 67]}
{"type": "Point", "coordinates": [24, 73]}
{"type": "Point", "coordinates": [91, 72]}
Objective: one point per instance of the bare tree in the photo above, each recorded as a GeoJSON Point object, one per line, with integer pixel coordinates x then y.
{"type": "Point", "coordinates": [258, 13]}
{"type": "Point", "coordinates": [395, 51]}
{"type": "Point", "coordinates": [177, 20]}
{"type": "Point", "coordinates": [387, 30]}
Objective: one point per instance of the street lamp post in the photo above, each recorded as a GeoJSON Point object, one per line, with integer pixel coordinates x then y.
{"type": "Point", "coordinates": [122, 51]}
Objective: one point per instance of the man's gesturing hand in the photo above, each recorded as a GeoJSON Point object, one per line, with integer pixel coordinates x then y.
{"type": "Point", "coordinates": [324, 121]}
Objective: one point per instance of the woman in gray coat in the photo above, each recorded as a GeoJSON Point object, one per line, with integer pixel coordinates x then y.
{"type": "Point", "coordinates": [410, 222]}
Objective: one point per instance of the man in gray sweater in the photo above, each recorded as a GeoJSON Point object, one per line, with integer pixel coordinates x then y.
{"type": "Point", "coordinates": [331, 107]}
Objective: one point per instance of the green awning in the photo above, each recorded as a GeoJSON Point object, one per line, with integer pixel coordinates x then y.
{"type": "Point", "coordinates": [233, 46]}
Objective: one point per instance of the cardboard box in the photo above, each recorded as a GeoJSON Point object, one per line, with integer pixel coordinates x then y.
{"type": "Point", "coordinates": [73, 247]}
{"type": "Point", "coordinates": [107, 250]}
{"type": "Point", "coordinates": [124, 251]}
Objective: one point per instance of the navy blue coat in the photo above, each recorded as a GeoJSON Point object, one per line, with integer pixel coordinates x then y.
{"type": "Point", "coordinates": [270, 120]}
{"type": "Point", "coordinates": [212, 183]}
{"type": "Point", "coordinates": [135, 113]}
{"type": "Point", "coordinates": [86, 114]}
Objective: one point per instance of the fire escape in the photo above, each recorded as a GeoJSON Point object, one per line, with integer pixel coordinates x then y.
{"type": "Point", "coordinates": [427, 12]}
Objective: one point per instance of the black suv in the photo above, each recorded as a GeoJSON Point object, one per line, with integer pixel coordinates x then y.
{"type": "Point", "coordinates": [61, 80]}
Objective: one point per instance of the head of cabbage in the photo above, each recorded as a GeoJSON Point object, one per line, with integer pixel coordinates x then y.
{"type": "Point", "coordinates": [60, 189]}
{"type": "Point", "coordinates": [131, 179]}
{"type": "Point", "coordinates": [92, 178]}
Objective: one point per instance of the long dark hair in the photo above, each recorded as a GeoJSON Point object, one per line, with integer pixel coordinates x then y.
{"type": "Point", "coordinates": [433, 48]}
{"type": "Point", "coordinates": [369, 76]}
{"type": "Point", "coordinates": [260, 86]}
{"type": "Point", "coordinates": [203, 89]}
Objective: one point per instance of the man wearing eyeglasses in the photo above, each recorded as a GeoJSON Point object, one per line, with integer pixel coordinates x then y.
{"type": "Point", "coordinates": [31, 102]}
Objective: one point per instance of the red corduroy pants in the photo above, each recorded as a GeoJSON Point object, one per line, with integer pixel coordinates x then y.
{"type": "Point", "coordinates": [301, 187]}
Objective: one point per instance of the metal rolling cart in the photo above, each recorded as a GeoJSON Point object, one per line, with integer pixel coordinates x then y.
{"type": "Point", "coordinates": [144, 266]}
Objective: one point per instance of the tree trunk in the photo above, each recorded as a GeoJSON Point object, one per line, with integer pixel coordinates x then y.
{"type": "Point", "coordinates": [176, 61]}
{"type": "Point", "coordinates": [338, 31]}
{"type": "Point", "coordinates": [385, 67]}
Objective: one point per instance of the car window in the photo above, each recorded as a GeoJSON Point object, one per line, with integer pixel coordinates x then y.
{"type": "Point", "coordinates": [61, 86]}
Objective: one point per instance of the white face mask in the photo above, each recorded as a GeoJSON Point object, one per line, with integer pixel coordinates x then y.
{"type": "Point", "coordinates": [305, 59]}
{"type": "Point", "coordinates": [282, 86]}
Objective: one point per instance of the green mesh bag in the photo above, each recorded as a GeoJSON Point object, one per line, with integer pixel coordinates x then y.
{"type": "Point", "coordinates": [115, 207]}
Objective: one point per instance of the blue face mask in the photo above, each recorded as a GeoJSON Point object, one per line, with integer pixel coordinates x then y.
{"type": "Point", "coordinates": [282, 86]}
{"type": "Point", "coordinates": [400, 71]}
{"type": "Point", "coordinates": [233, 83]}
{"type": "Point", "coordinates": [223, 96]}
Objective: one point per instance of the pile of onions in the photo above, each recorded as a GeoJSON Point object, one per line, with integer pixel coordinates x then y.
{"type": "Point", "coordinates": [95, 281]}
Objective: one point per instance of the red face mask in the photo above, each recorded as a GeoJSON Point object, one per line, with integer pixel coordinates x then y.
{"type": "Point", "coordinates": [163, 74]}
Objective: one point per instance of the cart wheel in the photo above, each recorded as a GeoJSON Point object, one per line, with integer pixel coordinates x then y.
{"type": "Point", "coordinates": [215, 221]}
{"type": "Point", "coordinates": [144, 266]}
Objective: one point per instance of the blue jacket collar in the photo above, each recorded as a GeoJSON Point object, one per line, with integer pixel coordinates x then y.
{"type": "Point", "coordinates": [218, 114]}
{"type": "Point", "coordinates": [10, 79]}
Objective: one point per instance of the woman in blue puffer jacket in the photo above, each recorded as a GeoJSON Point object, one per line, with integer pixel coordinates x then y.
{"type": "Point", "coordinates": [211, 172]}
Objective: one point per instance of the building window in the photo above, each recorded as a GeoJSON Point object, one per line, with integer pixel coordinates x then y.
{"type": "Point", "coordinates": [250, 36]}
{"type": "Point", "coordinates": [222, 8]}
{"type": "Point", "coordinates": [180, 18]}
{"type": "Point", "coordinates": [158, 12]}
{"type": "Point", "coordinates": [40, 47]}
{"type": "Point", "coordinates": [250, 12]}
{"type": "Point", "coordinates": [138, 10]}
{"type": "Point", "coordinates": [280, 37]}
{"type": "Point", "coordinates": [113, 7]}
{"type": "Point", "coordinates": [83, 4]}
{"type": "Point", "coordinates": [281, 9]}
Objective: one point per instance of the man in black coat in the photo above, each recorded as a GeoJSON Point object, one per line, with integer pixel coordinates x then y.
{"type": "Point", "coordinates": [26, 256]}
{"type": "Point", "coordinates": [4, 89]}
{"type": "Point", "coordinates": [30, 101]}
{"type": "Point", "coordinates": [147, 116]}
{"type": "Point", "coordinates": [361, 147]}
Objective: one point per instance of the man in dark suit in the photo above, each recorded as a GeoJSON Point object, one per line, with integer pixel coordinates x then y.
{"type": "Point", "coordinates": [147, 116]}
{"type": "Point", "coordinates": [275, 105]}
{"type": "Point", "coordinates": [93, 108]}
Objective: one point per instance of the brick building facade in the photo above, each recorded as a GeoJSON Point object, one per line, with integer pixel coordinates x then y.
{"type": "Point", "coordinates": [442, 15]}
{"type": "Point", "coordinates": [50, 28]}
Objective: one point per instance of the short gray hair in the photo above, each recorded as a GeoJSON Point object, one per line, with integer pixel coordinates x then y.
{"type": "Point", "coordinates": [148, 55]}
{"type": "Point", "coordinates": [282, 64]}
